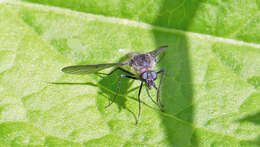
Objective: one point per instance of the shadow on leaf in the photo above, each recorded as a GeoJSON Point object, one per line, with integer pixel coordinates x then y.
{"type": "Point", "coordinates": [177, 93]}
{"type": "Point", "coordinates": [251, 143]}
{"type": "Point", "coordinates": [106, 85]}
{"type": "Point", "coordinates": [253, 118]}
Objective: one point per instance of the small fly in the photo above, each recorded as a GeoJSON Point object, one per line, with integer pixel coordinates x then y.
{"type": "Point", "coordinates": [138, 67]}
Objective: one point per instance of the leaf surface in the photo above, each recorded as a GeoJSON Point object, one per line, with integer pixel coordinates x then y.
{"type": "Point", "coordinates": [211, 90]}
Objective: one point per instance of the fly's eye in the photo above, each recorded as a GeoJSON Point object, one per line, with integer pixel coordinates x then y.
{"type": "Point", "coordinates": [154, 75]}
{"type": "Point", "coordinates": [145, 75]}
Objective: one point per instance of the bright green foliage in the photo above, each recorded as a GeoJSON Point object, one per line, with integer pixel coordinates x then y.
{"type": "Point", "coordinates": [237, 19]}
{"type": "Point", "coordinates": [211, 90]}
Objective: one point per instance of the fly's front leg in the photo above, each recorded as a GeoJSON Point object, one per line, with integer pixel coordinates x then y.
{"type": "Point", "coordinates": [148, 93]}
{"type": "Point", "coordinates": [118, 87]}
{"type": "Point", "coordinates": [139, 101]}
{"type": "Point", "coordinates": [158, 89]}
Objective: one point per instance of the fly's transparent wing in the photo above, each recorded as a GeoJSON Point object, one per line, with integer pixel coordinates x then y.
{"type": "Point", "coordinates": [88, 69]}
{"type": "Point", "coordinates": [158, 51]}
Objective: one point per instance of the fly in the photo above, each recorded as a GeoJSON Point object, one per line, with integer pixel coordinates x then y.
{"type": "Point", "coordinates": [138, 67]}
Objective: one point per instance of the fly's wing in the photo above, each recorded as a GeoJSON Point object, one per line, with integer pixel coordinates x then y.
{"type": "Point", "coordinates": [158, 51]}
{"type": "Point", "coordinates": [88, 69]}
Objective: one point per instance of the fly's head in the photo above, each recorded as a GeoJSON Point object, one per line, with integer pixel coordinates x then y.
{"type": "Point", "coordinates": [149, 77]}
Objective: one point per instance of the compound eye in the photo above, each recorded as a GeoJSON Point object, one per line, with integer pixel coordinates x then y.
{"type": "Point", "coordinates": [154, 75]}
{"type": "Point", "coordinates": [145, 75]}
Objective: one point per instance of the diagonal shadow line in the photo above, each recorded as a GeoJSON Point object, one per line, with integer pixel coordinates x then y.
{"type": "Point", "coordinates": [177, 64]}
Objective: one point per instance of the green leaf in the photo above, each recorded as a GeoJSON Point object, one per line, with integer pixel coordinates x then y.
{"type": "Point", "coordinates": [210, 93]}
{"type": "Point", "coordinates": [229, 19]}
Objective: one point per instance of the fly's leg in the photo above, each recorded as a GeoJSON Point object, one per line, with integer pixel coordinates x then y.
{"type": "Point", "coordinates": [139, 101]}
{"type": "Point", "coordinates": [148, 93]}
{"type": "Point", "coordinates": [158, 89]}
{"type": "Point", "coordinates": [118, 87]}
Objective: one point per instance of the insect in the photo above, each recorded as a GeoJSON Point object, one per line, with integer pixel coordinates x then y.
{"type": "Point", "coordinates": [138, 66]}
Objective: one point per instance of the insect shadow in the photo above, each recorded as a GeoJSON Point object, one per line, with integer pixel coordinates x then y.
{"type": "Point", "coordinates": [109, 83]}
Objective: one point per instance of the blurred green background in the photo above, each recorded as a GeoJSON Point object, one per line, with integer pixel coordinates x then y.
{"type": "Point", "coordinates": [211, 90]}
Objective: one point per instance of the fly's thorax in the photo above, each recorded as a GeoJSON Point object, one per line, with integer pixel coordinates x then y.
{"type": "Point", "coordinates": [142, 62]}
